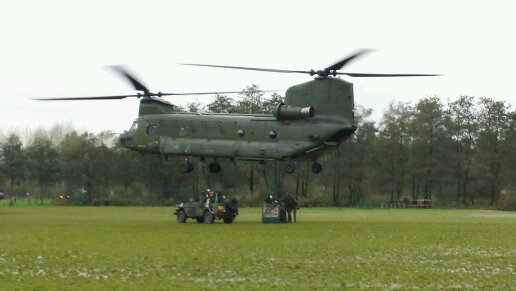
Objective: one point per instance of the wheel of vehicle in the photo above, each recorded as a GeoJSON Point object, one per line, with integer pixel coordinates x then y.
{"type": "Point", "coordinates": [186, 167]}
{"type": "Point", "coordinates": [208, 217]}
{"type": "Point", "coordinates": [181, 216]}
{"type": "Point", "coordinates": [214, 167]}
{"type": "Point", "coordinates": [200, 219]}
{"type": "Point", "coordinates": [316, 168]}
{"type": "Point", "coordinates": [228, 220]}
{"type": "Point", "coordinates": [290, 168]}
{"type": "Point", "coordinates": [232, 205]}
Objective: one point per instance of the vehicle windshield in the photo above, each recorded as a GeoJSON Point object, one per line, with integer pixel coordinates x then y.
{"type": "Point", "coordinates": [134, 127]}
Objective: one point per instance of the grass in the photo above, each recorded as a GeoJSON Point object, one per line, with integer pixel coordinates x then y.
{"type": "Point", "coordinates": [144, 248]}
{"type": "Point", "coordinates": [25, 202]}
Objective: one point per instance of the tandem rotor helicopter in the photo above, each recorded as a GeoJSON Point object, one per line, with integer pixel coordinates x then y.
{"type": "Point", "coordinates": [316, 116]}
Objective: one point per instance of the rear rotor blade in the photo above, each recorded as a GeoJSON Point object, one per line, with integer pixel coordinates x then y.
{"type": "Point", "coordinates": [331, 70]}
{"type": "Point", "coordinates": [359, 75]}
{"type": "Point", "coordinates": [344, 62]}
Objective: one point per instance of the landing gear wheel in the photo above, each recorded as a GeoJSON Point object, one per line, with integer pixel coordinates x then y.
{"type": "Point", "coordinates": [290, 168]}
{"type": "Point", "coordinates": [208, 217]}
{"type": "Point", "coordinates": [186, 167]}
{"type": "Point", "coordinates": [316, 168]}
{"type": "Point", "coordinates": [214, 167]}
{"type": "Point", "coordinates": [181, 217]}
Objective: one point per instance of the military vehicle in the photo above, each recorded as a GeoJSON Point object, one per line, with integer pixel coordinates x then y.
{"type": "Point", "coordinates": [316, 116]}
{"type": "Point", "coordinates": [208, 207]}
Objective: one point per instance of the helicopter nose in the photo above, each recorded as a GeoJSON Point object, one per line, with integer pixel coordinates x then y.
{"type": "Point", "coordinates": [126, 140]}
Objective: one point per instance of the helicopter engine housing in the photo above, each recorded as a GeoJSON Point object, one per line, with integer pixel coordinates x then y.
{"type": "Point", "coordinates": [285, 112]}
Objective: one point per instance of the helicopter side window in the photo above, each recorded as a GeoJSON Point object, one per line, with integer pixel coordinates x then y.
{"type": "Point", "coordinates": [241, 133]}
{"type": "Point", "coordinates": [152, 129]}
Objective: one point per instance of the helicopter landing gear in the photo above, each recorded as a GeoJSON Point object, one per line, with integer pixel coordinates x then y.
{"type": "Point", "coordinates": [214, 167]}
{"type": "Point", "coordinates": [290, 167]}
{"type": "Point", "coordinates": [186, 167]}
{"type": "Point", "coordinates": [316, 168]}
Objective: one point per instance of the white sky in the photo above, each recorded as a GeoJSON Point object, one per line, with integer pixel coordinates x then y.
{"type": "Point", "coordinates": [60, 49]}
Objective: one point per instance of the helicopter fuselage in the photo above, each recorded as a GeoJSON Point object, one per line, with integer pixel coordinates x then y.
{"type": "Point", "coordinates": [251, 137]}
{"type": "Point", "coordinates": [318, 115]}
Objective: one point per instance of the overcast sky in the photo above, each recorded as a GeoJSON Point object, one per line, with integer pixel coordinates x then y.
{"type": "Point", "coordinates": [61, 49]}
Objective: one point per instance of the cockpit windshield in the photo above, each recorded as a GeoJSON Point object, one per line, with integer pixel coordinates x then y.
{"type": "Point", "coordinates": [134, 127]}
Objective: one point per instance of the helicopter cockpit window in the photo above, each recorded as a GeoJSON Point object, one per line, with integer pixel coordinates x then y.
{"type": "Point", "coordinates": [152, 129]}
{"type": "Point", "coordinates": [134, 127]}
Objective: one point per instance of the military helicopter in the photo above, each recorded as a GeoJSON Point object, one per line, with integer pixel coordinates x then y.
{"type": "Point", "coordinates": [316, 116]}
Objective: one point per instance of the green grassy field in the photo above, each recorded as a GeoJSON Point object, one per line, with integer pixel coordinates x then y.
{"type": "Point", "coordinates": [144, 248]}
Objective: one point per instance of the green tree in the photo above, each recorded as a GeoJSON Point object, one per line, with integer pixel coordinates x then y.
{"type": "Point", "coordinates": [269, 104]}
{"type": "Point", "coordinates": [251, 100]}
{"type": "Point", "coordinates": [126, 169]}
{"type": "Point", "coordinates": [494, 121]}
{"type": "Point", "coordinates": [358, 158]}
{"type": "Point", "coordinates": [462, 127]}
{"type": "Point", "coordinates": [87, 164]}
{"type": "Point", "coordinates": [510, 149]}
{"type": "Point", "coordinates": [194, 106]}
{"type": "Point", "coordinates": [222, 104]}
{"type": "Point", "coordinates": [44, 164]}
{"type": "Point", "coordinates": [163, 178]}
{"type": "Point", "coordinates": [428, 132]}
{"type": "Point", "coordinates": [72, 151]}
{"type": "Point", "coordinates": [393, 149]}
{"type": "Point", "coordinates": [13, 162]}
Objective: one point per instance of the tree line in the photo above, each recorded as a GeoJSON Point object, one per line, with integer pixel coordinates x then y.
{"type": "Point", "coordinates": [458, 153]}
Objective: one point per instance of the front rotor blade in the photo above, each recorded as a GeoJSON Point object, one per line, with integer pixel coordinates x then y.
{"type": "Point", "coordinates": [341, 64]}
{"type": "Point", "coordinates": [137, 85]}
{"type": "Point", "coordinates": [358, 75]}
{"type": "Point", "coordinates": [86, 98]}
{"type": "Point", "coordinates": [247, 68]}
{"type": "Point", "coordinates": [159, 94]}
